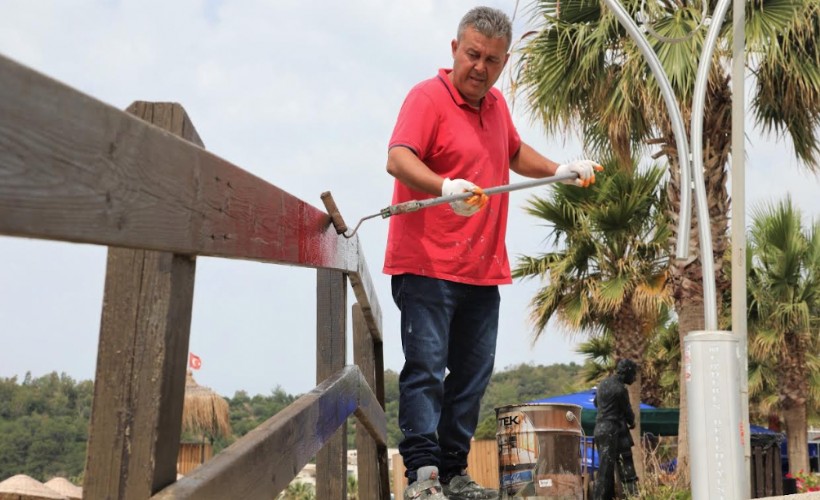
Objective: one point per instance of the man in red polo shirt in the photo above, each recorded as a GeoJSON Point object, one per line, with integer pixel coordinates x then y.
{"type": "Point", "coordinates": [454, 133]}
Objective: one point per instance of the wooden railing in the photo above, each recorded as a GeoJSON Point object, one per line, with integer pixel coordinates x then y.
{"type": "Point", "coordinates": [75, 169]}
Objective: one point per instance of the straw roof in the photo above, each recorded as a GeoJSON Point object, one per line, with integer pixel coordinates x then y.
{"type": "Point", "coordinates": [23, 487]}
{"type": "Point", "coordinates": [65, 487]}
{"type": "Point", "coordinates": [204, 411]}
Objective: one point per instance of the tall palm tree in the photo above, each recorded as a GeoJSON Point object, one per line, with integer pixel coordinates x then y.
{"type": "Point", "coordinates": [785, 292]}
{"type": "Point", "coordinates": [579, 69]}
{"type": "Point", "coordinates": [610, 266]}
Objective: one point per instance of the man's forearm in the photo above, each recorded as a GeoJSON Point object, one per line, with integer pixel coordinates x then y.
{"type": "Point", "coordinates": [530, 163]}
{"type": "Point", "coordinates": [404, 165]}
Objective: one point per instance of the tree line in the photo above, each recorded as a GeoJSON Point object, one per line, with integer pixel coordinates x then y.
{"type": "Point", "coordinates": [44, 420]}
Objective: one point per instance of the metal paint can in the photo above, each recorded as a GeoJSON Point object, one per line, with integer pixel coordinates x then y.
{"type": "Point", "coordinates": [539, 451]}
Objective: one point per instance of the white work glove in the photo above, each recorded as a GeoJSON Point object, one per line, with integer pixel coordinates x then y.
{"type": "Point", "coordinates": [468, 206]}
{"type": "Point", "coordinates": [584, 168]}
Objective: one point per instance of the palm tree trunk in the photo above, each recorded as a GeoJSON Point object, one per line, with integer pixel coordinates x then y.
{"type": "Point", "coordinates": [635, 403]}
{"type": "Point", "coordinates": [797, 438]}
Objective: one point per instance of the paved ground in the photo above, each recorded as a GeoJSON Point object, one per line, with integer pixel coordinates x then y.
{"type": "Point", "coordinates": [800, 496]}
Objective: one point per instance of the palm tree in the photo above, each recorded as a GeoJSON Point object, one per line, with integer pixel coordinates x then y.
{"type": "Point", "coordinates": [298, 490]}
{"type": "Point", "coordinates": [785, 298]}
{"type": "Point", "coordinates": [579, 69]}
{"type": "Point", "coordinates": [610, 268]}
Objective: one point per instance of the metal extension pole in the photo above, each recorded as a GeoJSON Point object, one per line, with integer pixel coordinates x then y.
{"type": "Point", "coordinates": [413, 205]}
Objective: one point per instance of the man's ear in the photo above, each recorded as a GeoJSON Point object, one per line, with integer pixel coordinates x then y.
{"type": "Point", "coordinates": [454, 46]}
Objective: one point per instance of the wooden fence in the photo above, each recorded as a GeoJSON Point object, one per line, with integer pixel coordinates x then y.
{"type": "Point", "coordinates": [766, 468]}
{"type": "Point", "coordinates": [192, 455]}
{"type": "Point", "coordinates": [482, 464]}
{"type": "Point", "coordinates": [139, 182]}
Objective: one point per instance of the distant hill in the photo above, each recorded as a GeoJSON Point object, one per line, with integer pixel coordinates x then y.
{"type": "Point", "coordinates": [44, 421]}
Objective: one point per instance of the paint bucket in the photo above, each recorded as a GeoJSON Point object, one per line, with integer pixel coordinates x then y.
{"type": "Point", "coordinates": [539, 451]}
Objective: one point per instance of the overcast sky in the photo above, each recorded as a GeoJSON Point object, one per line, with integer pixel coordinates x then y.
{"type": "Point", "coordinates": [304, 94]}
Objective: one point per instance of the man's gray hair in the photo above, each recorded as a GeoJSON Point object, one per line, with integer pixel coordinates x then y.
{"type": "Point", "coordinates": [490, 22]}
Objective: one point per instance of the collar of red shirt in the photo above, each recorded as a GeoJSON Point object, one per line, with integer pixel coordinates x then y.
{"type": "Point", "coordinates": [444, 76]}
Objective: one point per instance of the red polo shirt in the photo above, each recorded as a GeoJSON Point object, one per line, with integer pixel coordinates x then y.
{"type": "Point", "coordinates": [457, 141]}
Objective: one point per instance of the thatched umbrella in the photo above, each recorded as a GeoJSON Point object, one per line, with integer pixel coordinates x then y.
{"type": "Point", "coordinates": [65, 487]}
{"type": "Point", "coordinates": [23, 487]}
{"type": "Point", "coordinates": [204, 412]}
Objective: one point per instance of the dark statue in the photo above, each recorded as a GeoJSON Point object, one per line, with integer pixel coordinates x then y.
{"type": "Point", "coordinates": [612, 438]}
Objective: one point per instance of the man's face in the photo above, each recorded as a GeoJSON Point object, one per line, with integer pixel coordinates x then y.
{"type": "Point", "coordinates": [477, 64]}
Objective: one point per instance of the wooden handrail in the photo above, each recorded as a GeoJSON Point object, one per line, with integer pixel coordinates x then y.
{"type": "Point", "coordinates": [78, 170]}
{"type": "Point", "coordinates": [131, 184]}
{"type": "Point", "coordinates": [255, 466]}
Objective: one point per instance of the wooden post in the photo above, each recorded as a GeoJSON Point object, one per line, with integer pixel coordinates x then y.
{"type": "Point", "coordinates": [143, 349]}
{"type": "Point", "coordinates": [331, 352]}
{"type": "Point", "coordinates": [374, 480]}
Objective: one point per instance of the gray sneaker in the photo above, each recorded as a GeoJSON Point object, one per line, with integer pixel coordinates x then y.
{"type": "Point", "coordinates": [462, 487]}
{"type": "Point", "coordinates": [427, 487]}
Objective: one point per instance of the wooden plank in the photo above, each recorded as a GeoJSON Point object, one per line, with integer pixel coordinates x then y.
{"type": "Point", "coordinates": [90, 173]}
{"type": "Point", "coordinates": [140, 378]}
{"type": "Point", "coordinates": [192, 455]}
{"type": "Point", "coordinates": [168, 116]}
{"type": "Point", "coordinates": [759, 486]}
{"type": "Point", "coordinates": [76, 169]}
{"type": "Point", "coordinates": [399, 479]}
{"type": "Point", "coordinates": [378, 354]}
{"type": "Point", "coordinates": [144, 347]}
{"type": "Point", "coordinates": [331, 353]}
{"type": "Point", "coordinates": [371, 416]}
{"type": "Point", "coordinates": [774, 452]}
{"type": "Point", "coordinates": [263, 462]}
{"type": "Point", "coordinates": [374, 481]}
{"type": "Point", "coordinates": [482, 463]}
{"type": "Point", "coordinates": [366, 295]}
{"type": "Point", "coordinates": [773, 470]}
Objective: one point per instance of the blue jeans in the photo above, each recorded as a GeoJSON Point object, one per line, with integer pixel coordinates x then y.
{"type": "Point", "coordinates": [444, 325]}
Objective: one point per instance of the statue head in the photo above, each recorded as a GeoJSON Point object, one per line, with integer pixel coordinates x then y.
{"type": "Point", "coordinates": [626, 370]}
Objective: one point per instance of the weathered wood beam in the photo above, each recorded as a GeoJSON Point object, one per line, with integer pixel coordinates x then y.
{"type": "Point", "coordinates": [374, 481]}
{"type": "Point", "coordinates": [76, 169]}
{"type": "Point", "coordinates": [263, 462]}
{"type": "Point", "coordinates": [331, 353]}
{"type": "Point", "coordinates": [140, 378]}
{"type": "Point", "coordinates": [366, 296]}
{"type": "Point", "coordinates": [141, 360]}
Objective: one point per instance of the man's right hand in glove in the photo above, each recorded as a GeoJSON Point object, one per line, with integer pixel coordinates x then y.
{"type": "Point", "coordinates": [584, 168]}
{"type": "Point", "coordinates": [468, 206]}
